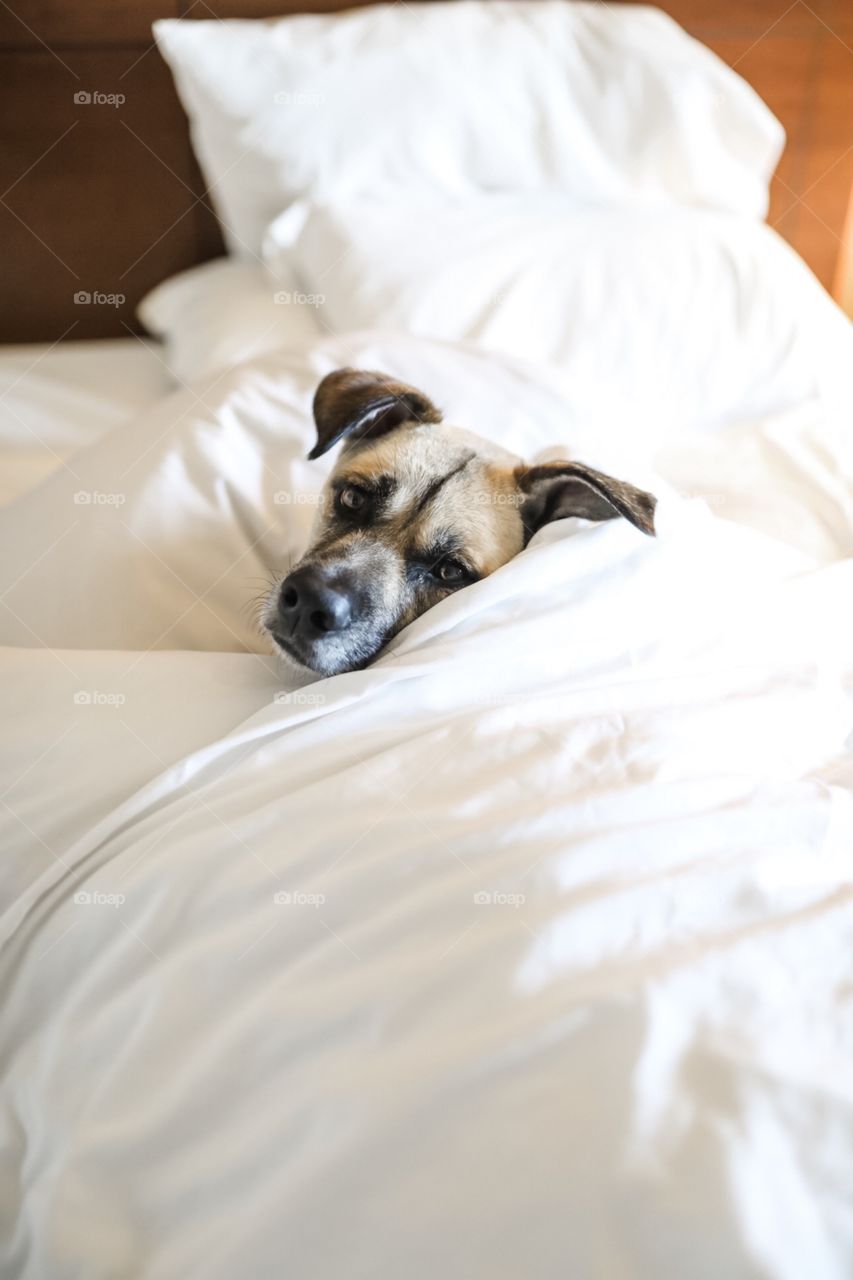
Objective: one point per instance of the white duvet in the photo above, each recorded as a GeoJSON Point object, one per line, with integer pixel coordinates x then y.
{"type": "Point", "coordinates": [525, 952]}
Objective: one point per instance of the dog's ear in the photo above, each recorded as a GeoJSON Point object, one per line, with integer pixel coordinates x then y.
{"type": "Point", "coordinates": [555, 490]}
{"type": "Point", "coordinates": [360, 405]}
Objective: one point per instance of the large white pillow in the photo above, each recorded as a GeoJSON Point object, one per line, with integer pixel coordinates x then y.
{"type": "Point", "coordinates": [689, 316]}
{"type": "Point", "coordinates": [603, 102]}
{"type": "Point", "coordinates": [223, 312]}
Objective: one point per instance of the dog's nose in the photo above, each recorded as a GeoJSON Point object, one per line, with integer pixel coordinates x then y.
{"type": "Point", "coordinates": [312, 606]}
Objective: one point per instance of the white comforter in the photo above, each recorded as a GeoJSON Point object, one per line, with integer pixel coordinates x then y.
{"type": "Point", "coordinates": [525, 952]}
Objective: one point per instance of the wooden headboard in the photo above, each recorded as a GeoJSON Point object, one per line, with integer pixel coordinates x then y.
{"type": "Point", "coordinates": [112, 199]}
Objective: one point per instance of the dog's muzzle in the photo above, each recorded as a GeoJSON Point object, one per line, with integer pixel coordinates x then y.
{"type": "Point", "coordinates": [314, 606]}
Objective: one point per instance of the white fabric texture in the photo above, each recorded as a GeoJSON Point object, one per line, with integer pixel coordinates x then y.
{"type": "Point", "coordinates": [56, 399]}
{"type": "Point", "coordinates": [608, 104]}
{"type": "Point", "coordinates": [224, 312]}
{"type": "Point", "coordinates": [701, 312]}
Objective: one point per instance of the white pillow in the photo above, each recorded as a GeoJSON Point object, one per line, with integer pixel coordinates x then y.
{"type": "Point", "coordinates": [689, 316]}
{"type": "Point", "coordinates": [226, 311]}
{"type": "Point", "coordinates": [605, 103]}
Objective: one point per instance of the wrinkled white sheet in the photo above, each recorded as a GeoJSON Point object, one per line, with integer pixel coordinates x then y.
{"type": "Point", "coordinates": [525, 952]}
{"type": "Point", "coordinates": [55, 400]}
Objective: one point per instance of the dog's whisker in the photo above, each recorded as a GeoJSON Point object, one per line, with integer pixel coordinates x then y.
{"type": "Point", "coordinates": [255, 602]}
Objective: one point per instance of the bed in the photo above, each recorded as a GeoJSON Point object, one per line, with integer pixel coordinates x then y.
{"type": "Point", "coordinates": [523, 951]}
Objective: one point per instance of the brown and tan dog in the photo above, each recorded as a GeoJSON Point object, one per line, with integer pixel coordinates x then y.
{"type": "Point", "coordinates": [413, 511]}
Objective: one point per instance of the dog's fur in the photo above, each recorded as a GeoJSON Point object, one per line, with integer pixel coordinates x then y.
{"type": "Point", "coordinates": [437, 509]}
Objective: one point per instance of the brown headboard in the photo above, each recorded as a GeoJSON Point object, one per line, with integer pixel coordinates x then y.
{"type": "Point", "coordinates": [111, 199]}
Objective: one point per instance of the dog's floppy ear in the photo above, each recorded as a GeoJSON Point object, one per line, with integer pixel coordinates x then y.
{"type": "Point", "coordinates": [359, 405]}
{"type": "Point", "coordinates": [555, 490]}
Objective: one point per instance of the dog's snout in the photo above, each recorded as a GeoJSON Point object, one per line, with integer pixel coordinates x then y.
{"type": "Point", "coordinates": [311, 606]}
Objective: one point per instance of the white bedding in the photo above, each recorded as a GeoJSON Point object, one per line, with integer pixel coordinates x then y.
{"type": "Point", "coordinates": [524, 952]}
{"type": "Point", "coordinates": [633, 1052]}
{"type": "Point", "coordinates": [55, 400]}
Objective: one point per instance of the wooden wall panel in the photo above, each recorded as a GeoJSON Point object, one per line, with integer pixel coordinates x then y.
{"type": "Point", "coordinates": [111, 200]}
{"type": "Point", "coordinates": [99, 199]}
{"type": "Point", "coordinates": [69, 24]}
{"type": "Point", "coordinates": [799, 58]}
{"type": "Point", "coordinates": [827, 180]}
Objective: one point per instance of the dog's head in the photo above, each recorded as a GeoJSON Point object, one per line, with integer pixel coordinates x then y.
{"type": "Point", "coordinates": [413, 511]}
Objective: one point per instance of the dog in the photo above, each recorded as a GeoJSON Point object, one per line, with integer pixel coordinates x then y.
{"type": "Point", "coordinates": [414, 510]}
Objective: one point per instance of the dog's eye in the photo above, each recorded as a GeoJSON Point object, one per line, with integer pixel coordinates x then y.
{"type": "Point", "coordinates": [352, 498]}
{"type": "Point", "coordinates": [450, 571]}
